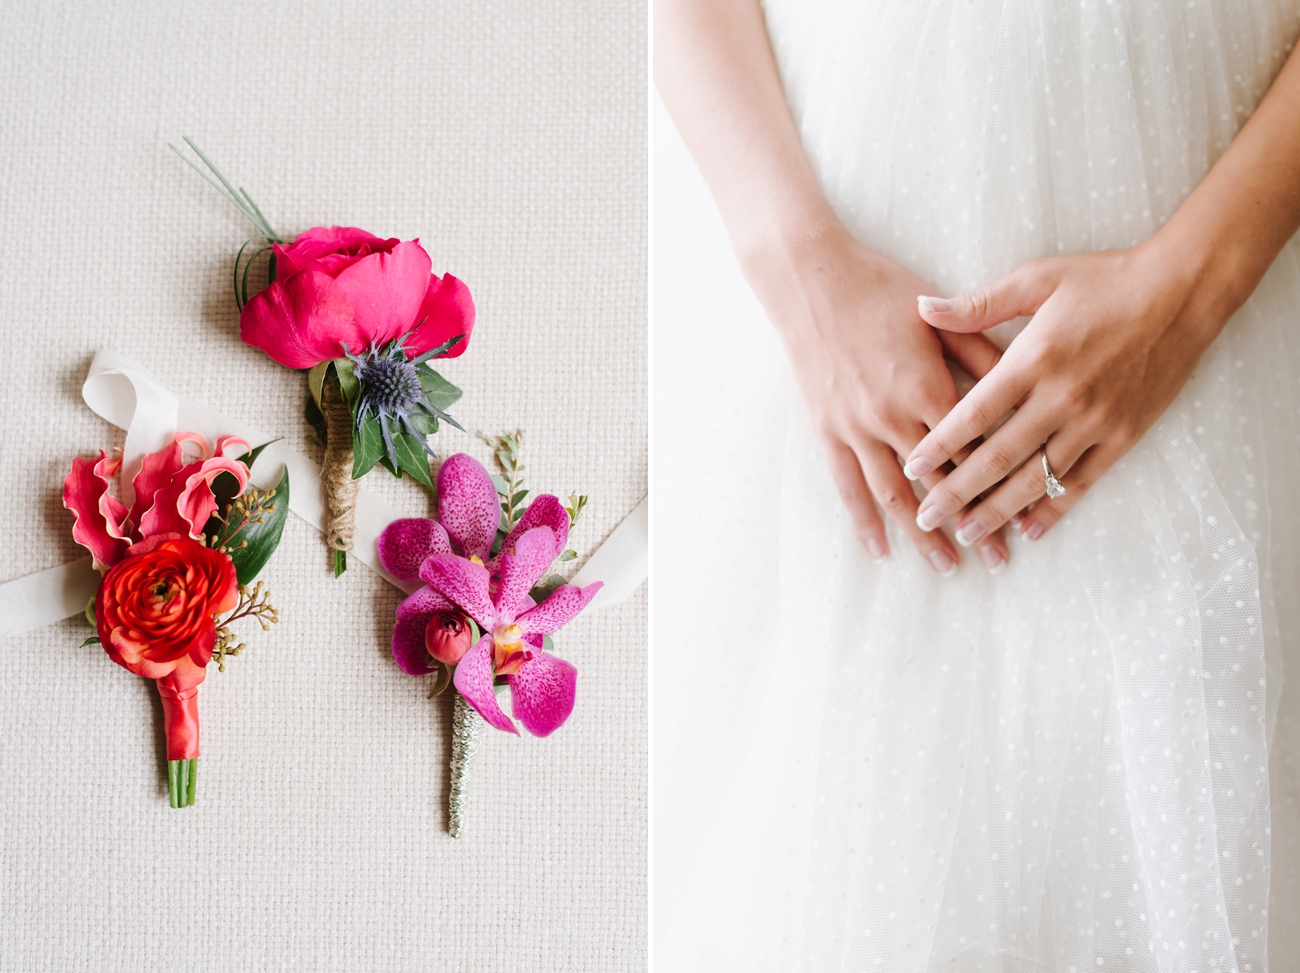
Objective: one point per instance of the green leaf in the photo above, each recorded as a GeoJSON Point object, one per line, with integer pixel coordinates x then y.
{"type": "Point", "coordinates": [514, 500]}
{"type": "Point", "coordinates": [499, 481]}
{"type": "Point", "coordinates": [253, 543]}
{"type": "Point", "coordinates": [548, 644]}
{"type": "Point", "coordinates": [348, 383]}
{"type": "Point", "coordinates": [544, 588]}
{"type": "Point", "coordinates": [249, 458]}
{"type": "Point", "coordinates": [411, 457]}
{"type": "Point", "coordinates": [316, 380]}
{"type": "Point", "coordinates": [93, 640]}
{"type": "Point", "coordinates": [439, 392]}
{"type": "Point", "coordinates": [506, 458]}
{"type": "Point", "coordinates": [316, 419]}
{"type": "Point", "coordinates": [568, 555]}
{"type": "Point", "coordinates": [367, 446]}
{"type": "Point", "coordinates": [426, 425]}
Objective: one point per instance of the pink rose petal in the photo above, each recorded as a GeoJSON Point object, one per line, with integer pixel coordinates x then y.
{"type": "Point", "coordinates": [385, 290]}
{"type": "Point", "coordinates": [447, 311]}
{"type": "Point", "coordinates": [542, 693]}
{"type": "Point", "coordinates": [302, 320]}
{"type": "Point", "coordinates": [474, 681]}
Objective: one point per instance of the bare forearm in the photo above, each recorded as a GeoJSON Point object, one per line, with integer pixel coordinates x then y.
{"type": "Point", "coordinates": [715, 70]}
{"type": "Point", "coordinates": [1234, 223]}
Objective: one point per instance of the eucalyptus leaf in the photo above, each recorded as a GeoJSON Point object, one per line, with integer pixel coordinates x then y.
{"type": "Point", "coordinates": [252, 541]}
{"type": "Point", "coordinates": [439, 392]}
{"type": "Point", "coordinates": [499, 481]}
{"type": "Point", "coordinates": [316, 381]}
{"type": "Point", "coordinates": [568, 555]}
{"type": "Point", "coordinates": [514, 500]}
{"type": "Point", "coordinates": [548, 644]}
{"type": "Point", "coordinates": [367, 446]}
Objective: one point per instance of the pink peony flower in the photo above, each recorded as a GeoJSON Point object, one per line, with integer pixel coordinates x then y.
{"type": "Point", "coordinates": [339, 286]}
{"type": "Point", "coordinates": [171, 496]}
{"type": "Point", "coordinates": [451, 555]}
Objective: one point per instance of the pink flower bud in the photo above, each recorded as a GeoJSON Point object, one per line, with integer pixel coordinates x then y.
{"type": "Point", "coordinates": [447, 637]}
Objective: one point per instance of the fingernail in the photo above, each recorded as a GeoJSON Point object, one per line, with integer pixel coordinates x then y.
{"type": "Point", "coordinates": [933, 304]}
{"type": "Point", "coordinates": [972, 532]}
{"type": "Point", "coordinates": [943, 562]}
{"type": "Point", "coordinates": [993, 559]}
{"type": "Point", "coordinates": [930, 518]}
{"type": "Point", "coordinates": [1016, 519]}
{"type": "Point", "coordinates": [917, 468]}
{"type": "Point", "coordinates": [1034, 531]}
{"type": "Point", "coordinates": [875, 549]}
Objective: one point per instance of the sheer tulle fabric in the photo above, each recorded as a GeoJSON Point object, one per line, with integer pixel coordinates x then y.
{"type": "Point", "coordinates": [1065, 767]}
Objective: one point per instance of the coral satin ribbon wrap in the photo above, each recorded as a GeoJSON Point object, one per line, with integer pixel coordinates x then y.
{"type": "Point", "coordinates": [180, 720]}
{"type": "Point", "coordinates": [123, 392]}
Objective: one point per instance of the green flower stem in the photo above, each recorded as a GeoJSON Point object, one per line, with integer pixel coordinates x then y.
{"type": "Point", "coordinates": [181, 776]}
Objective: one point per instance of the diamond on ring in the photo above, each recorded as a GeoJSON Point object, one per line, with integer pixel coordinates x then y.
{"type": "Point", "coordinates": [1054, 487]}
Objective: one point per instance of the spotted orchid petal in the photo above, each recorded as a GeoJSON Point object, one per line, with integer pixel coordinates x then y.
{"type": "Point", "coordinates": [545, 511]}
{"type": "Point", "coordinates": [464, 583]}
{"type": "Point", "coordinates": [474, 682]}
{"type": "Point", "coordinates": [413, 614]}
{"type": "Point", "coordinates": [84, 491]}
{"type": "Point", "coordinates": [467, 505]}
{"type": "Point", "coordinates": [542, 693]}
{"type": "Point", "coordinates": [520, 570]}
{"type": "Point", "coordinates": [558, 610]}
{"type": "Point", "coordinates": [405, 544]}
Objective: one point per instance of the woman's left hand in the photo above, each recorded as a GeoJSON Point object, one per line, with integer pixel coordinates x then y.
{"type": "Point", "coordinates": [1114, 337]}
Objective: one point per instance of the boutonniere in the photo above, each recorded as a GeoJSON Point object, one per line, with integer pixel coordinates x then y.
{"type": "Point", "coordinates": [483, 621]}
{"type": "Point", "coordinates": [177, 566]}
{"type": "Point", "coordinates": [363, 317]}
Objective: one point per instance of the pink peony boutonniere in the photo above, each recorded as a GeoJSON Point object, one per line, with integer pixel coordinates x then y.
{"type": "Point", "coordinates": [363, 316]}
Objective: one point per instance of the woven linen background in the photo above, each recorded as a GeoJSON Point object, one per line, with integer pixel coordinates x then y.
{"type": "Point", "coordinates": [510, 138]}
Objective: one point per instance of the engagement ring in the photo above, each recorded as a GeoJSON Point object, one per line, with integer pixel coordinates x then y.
{"type": "Point", "coordinates": [1054, 487]}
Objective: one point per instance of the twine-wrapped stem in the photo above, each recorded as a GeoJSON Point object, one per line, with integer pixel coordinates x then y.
{"type": "Point", "coordinates": [466, 730]}
{"type": "Point", "coordinates": [336, 474]}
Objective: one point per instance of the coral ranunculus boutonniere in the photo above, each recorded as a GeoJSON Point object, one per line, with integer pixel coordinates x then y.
{"type": "Point", "coordinates": [174, 562]}
{"type": "Point", "coordinates": [363, 316]}
{"type": "Point", "coordinates": [485, 617]}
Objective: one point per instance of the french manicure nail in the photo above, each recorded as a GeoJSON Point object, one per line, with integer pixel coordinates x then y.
{"type": "Point", "coordinates": [943, 562]}
{"type": "Point", "coordinates": [933, 304]}
{"type": "Point", "coordinates": [972, 532]}
{"type": "Point", "coordinates": [917, 468]}
{"type": "Point", "coordinates": [1034, 532]}
{"type": "Point", "coordinates": [992, 559]}
{"type": "Point", "coordinates": [875, 549]}
{"type": "Point", "coordinates": [930, 518]}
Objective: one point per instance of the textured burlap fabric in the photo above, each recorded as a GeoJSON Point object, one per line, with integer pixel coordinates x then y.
{"type": "Point", "coordinates": [508, 137]}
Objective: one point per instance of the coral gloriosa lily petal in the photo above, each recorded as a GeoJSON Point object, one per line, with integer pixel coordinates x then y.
{"type": "Point", "coordinates": [467, 505]}
{"type": "Point", "coordinates": [385, 290]}
{"type": "Point", "coordinates": [156, 472]}
{"type": "Point", "coordinates": [413, 614]}
{"type": "Point", "coordinates": [83, 489]}
{"type": "Point", "coordinates": [542, 693]}
{"type": "Point", "coordinates": [303, 320]}
{"type": "Point", "coordinates": [405, 544]}
{"type": "Point", "coordinates": [558, 610]}
{"type": "Point", "coordinates": [545, 511]}
{"type": "Point", "coordinates": [465, 583]}
{"type": "Point", "coordinates": [533, 554]}
{"type": "Point", "coordinates": [447, 311]}
{"type": "Point", "coordinates": [474, 682]}
{"type": "Point", "coordinates": [196, 502]}
{"type": "Point", "coordinates": [232, 446]}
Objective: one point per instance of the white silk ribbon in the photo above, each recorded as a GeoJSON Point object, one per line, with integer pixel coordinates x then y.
{"type": "Point", "coordinates": [127, 395]}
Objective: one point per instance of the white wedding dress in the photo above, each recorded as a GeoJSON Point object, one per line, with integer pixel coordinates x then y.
{"type": "Point", "coordinates": [1087, 762]}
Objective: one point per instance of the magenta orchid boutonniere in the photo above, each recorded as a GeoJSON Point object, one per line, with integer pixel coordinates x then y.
{"type": "Point", "coordinates": [484, 618]}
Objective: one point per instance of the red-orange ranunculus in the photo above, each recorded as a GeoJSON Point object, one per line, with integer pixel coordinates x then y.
{"type": "Point", "coordinates": [447, 637]}
{"type": "Point", "coordinates": [156, 609]}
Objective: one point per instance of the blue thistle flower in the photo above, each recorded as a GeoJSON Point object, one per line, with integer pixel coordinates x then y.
{"type": "Point", "coordinates": [392, 391]}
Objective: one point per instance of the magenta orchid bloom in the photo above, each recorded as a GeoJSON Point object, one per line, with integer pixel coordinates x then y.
{"type": "Point", "coordinates": [339, 285]}
{"type": "Point", "coordinates": [171, 496]}
{"type": "Point", "coordinates": [452, 556]}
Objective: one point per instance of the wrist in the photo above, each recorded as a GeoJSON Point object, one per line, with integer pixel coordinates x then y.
{"type": "Point", "coordinates": [1208, 273]}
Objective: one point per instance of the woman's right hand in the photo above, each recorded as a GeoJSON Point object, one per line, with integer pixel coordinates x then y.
{"type": "Point", "coordinates": [873, 377]}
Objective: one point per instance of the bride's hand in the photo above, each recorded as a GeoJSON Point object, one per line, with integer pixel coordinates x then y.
{"type": "Point", "coordinates": [1114, 337]}
{"type": "Point", "coordinates": [872, 374]}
